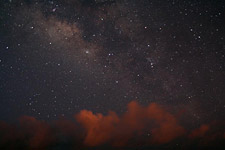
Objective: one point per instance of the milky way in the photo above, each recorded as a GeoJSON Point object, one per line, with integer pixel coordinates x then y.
{"type": "Point", "coordinates": [59, 58]}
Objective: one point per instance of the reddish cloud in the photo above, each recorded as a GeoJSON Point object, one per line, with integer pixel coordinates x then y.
{"type": "Point", "coordinates": [39, 132]}
{"type": "Point", "coordinates": [110, 128]}
{"type": "Point", "coordinates": [200, 132]}
{"type": "Point", "coordinates": [167, 125]}
{"type": "Point", "coordinates": [99, 128]}
{"type": "Point", "coordinates": [8, 134]}
{"type": "Point", "coordinates": [150, 126]}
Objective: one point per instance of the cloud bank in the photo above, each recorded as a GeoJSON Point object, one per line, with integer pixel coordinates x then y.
{"type": "Point", "coordinates": [140, 127]}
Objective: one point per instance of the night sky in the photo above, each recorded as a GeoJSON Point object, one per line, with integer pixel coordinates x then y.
{"type": "Point", "coordinates": [120, 74]}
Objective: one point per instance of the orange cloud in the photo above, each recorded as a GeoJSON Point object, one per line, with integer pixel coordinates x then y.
{"type": "Point", "coordinates": [119, 130]}
{"type": "Point", "coordinates": [99, 128]}
{"type": "Point", "coordinates": [167, 127]}
{"type": "Point", "coordinates": [37, 131]}
{"type": "Point", "coordinates": [200, 132]}
{"type": "Point", "coordinates": [139, 125]}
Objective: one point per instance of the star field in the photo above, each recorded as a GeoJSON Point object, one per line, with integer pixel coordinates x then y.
{"type": "Point", "coordinates": [60, 57]}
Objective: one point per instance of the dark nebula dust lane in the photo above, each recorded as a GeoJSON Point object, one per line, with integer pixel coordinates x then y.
{"type": "Point", "coordinates": [117, 74]}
